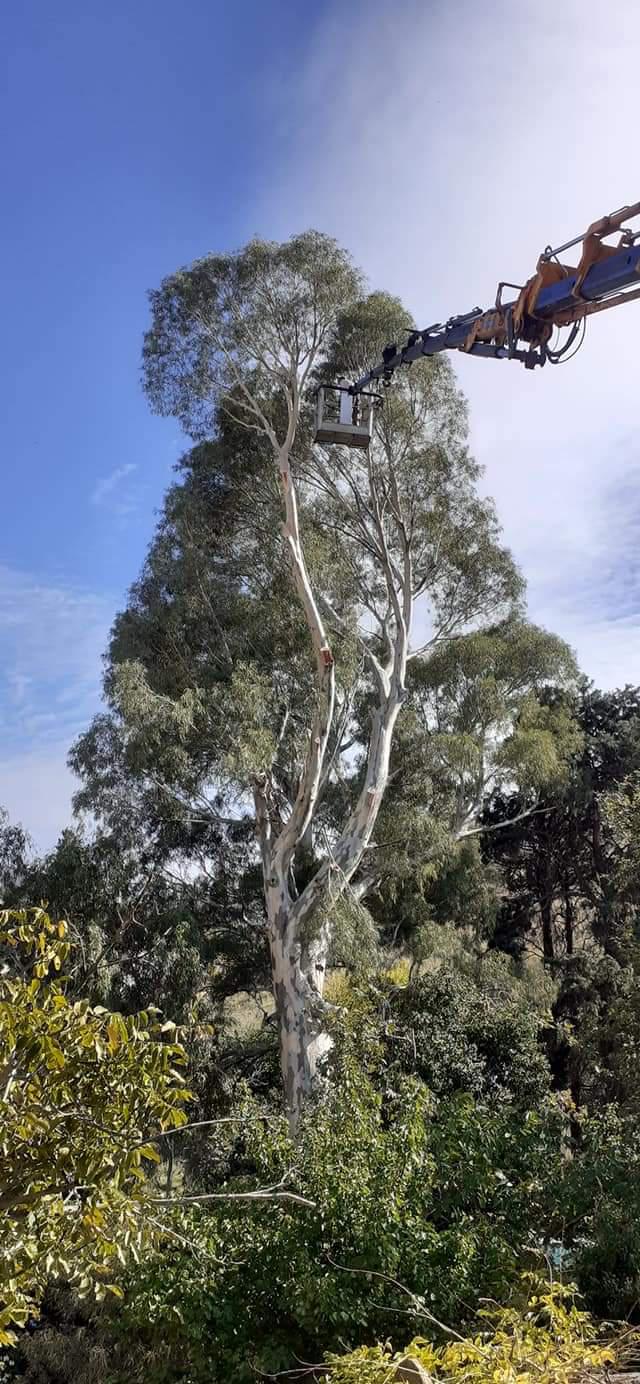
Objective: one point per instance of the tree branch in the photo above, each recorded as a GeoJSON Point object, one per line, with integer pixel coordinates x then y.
{"type": "Point", "coordinates": [277, 1192]}
{"type": "Point", "coordinates": [508, 822]}
{"type": "Point", "coordinates": [311, 776]}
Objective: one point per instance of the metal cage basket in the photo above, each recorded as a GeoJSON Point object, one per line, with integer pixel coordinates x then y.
{"type": "Point", "coordinates": [343, 418]}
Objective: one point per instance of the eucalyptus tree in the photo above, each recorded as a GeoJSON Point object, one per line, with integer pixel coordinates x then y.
{"type": "Point", "coordinates": [475, 725]}
{"type": "Point", "coordinates": [14, 852]}
{"type": "Point", "coordinates": [561, 869]}
{"type": "Point", "coordinates": [262, 665]}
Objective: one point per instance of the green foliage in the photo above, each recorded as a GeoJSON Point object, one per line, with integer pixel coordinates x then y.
{"type": "Point", "coordinates": [362, 331]}
{"type": "Point", "coordinates": [14, 848]}
{"type": "Point", "coordinates": [478, 696]}
{"type": "Point", "coordinates": [354, 941]}
{"type": "Point", "coordinates": [209, 675]}
{"type": "Point", "coordinates": [82, 1092]}
{"type": "Point", "coordinates": [462, 892]}
{"type": "Point", "coordinates": [570, 869]}
{"type": "Point", "coordinates": [546, 1336]}
{"type": "Point", "coordinates": [541, 745]}
{"type": "Point", "coordinates": [70, 1342]}
{"type": "Point", "coordinates": [622, 816]}
{"type": "Point", "coordinates": [209, 667]}
{"type": "Point", "coordinates": [229, 315]}
{"type": "Point", "coordinates": [425, 1203]}
{"type": "Point", "coordinates": [464, 1124]}
{"type": "Point", "coordinates": [601, 1206]}
{"type": "Point", "coordinates": [594, 1043]}
{"type": "Point", "coordinates": [475, 720]}
{"type": "Point", "coordinates": [144, 934]}
{"type": "Point", "coordinates": [443, 1198]}
{"type": "Point", "coordinates": [476, 1032]}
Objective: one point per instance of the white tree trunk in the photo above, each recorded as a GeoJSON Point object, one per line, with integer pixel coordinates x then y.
{"type": "Point", "coordinates": [300, 931]}
{"type": "Point", "coordinates": [298, 975]}
{"type": "Point", "coordinates": [299, 928]}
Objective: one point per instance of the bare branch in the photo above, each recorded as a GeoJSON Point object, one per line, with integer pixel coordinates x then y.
{"type": "Point", "coordinates": [418, 1305]}
{"type": "Point", "coordinates": [367, 652]}
{"type": "Point", "coordinates": [500, 826]}
{"type": "Point", "coordinates": [208, 1124]}
{"type": "Point", "coordinates": [277, 1192]}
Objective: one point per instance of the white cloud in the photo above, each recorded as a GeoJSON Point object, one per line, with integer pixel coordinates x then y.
{"type": "Point", "coordinates": [51, 641]}
{"type": "Point", "coordinates": [446, 145]}
{"type": "Point", "coordinates": [36, 789]}
{"type": "Point", "coordinates": [110, 492]}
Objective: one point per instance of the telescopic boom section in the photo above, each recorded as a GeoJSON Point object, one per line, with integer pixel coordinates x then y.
{"type": "Point", "coordinates": [557, 295]}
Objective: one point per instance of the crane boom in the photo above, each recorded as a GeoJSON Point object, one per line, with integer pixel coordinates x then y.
{"type": "Point", "coordinates": [557, 295]}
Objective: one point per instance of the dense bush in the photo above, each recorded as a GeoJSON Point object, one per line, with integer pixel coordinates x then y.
{"type": "Point", "coordinates": [439, 1200]}
{"type": "Point", "coordinates": [84, 1093]}
{"type": "Point", "coordinates": [601, 1206]}
{"type": "Point", "coordinates": [478, 1033]}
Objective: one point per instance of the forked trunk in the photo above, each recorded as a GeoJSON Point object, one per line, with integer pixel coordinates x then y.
{"type": "Point", "coordinates": [299, 941]}
{"type": "Point", "coordinates": [298, 927]}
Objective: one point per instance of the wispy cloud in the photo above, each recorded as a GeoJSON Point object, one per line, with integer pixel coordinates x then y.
{"type": "Point", "coordinates": [36, 789]}
{"type": "Point", "coordinates": [112, 492]}
{"type": "Point", "coordinates": [51, 641]}
{"type": "Point", "coordinates": [401, 142]}
{"type": "Point", "coordinates": [589, 590]}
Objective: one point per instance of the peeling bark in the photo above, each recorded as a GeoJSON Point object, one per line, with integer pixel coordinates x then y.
{"type": "Point", "coordinates": [298, 984]}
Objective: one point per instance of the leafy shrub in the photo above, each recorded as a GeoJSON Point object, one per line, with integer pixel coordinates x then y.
{"type": "Point", "coordinates": [444, 1199]}
{"type": "Point", "coordinates": [601, 1206]}
{"type": "Point", "coordinates": [546, 1338]}
{"type": "Point", "coordinates": [470, 1032]}
{"type": "Point", "coordinates": [82, 1092]}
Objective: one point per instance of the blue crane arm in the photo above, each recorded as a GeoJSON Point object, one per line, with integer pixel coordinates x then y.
{"type": "Point", "coordinates": [555, 296]}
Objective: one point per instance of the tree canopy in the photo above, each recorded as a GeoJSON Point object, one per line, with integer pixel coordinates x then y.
{"type": "Point", "coordinates": [261, 673]}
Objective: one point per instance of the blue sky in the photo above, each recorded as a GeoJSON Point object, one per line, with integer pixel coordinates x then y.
{"type": "Point", "coordinates": [138, 136]}
{"type": "Point", "coordinates": [133, 141]}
